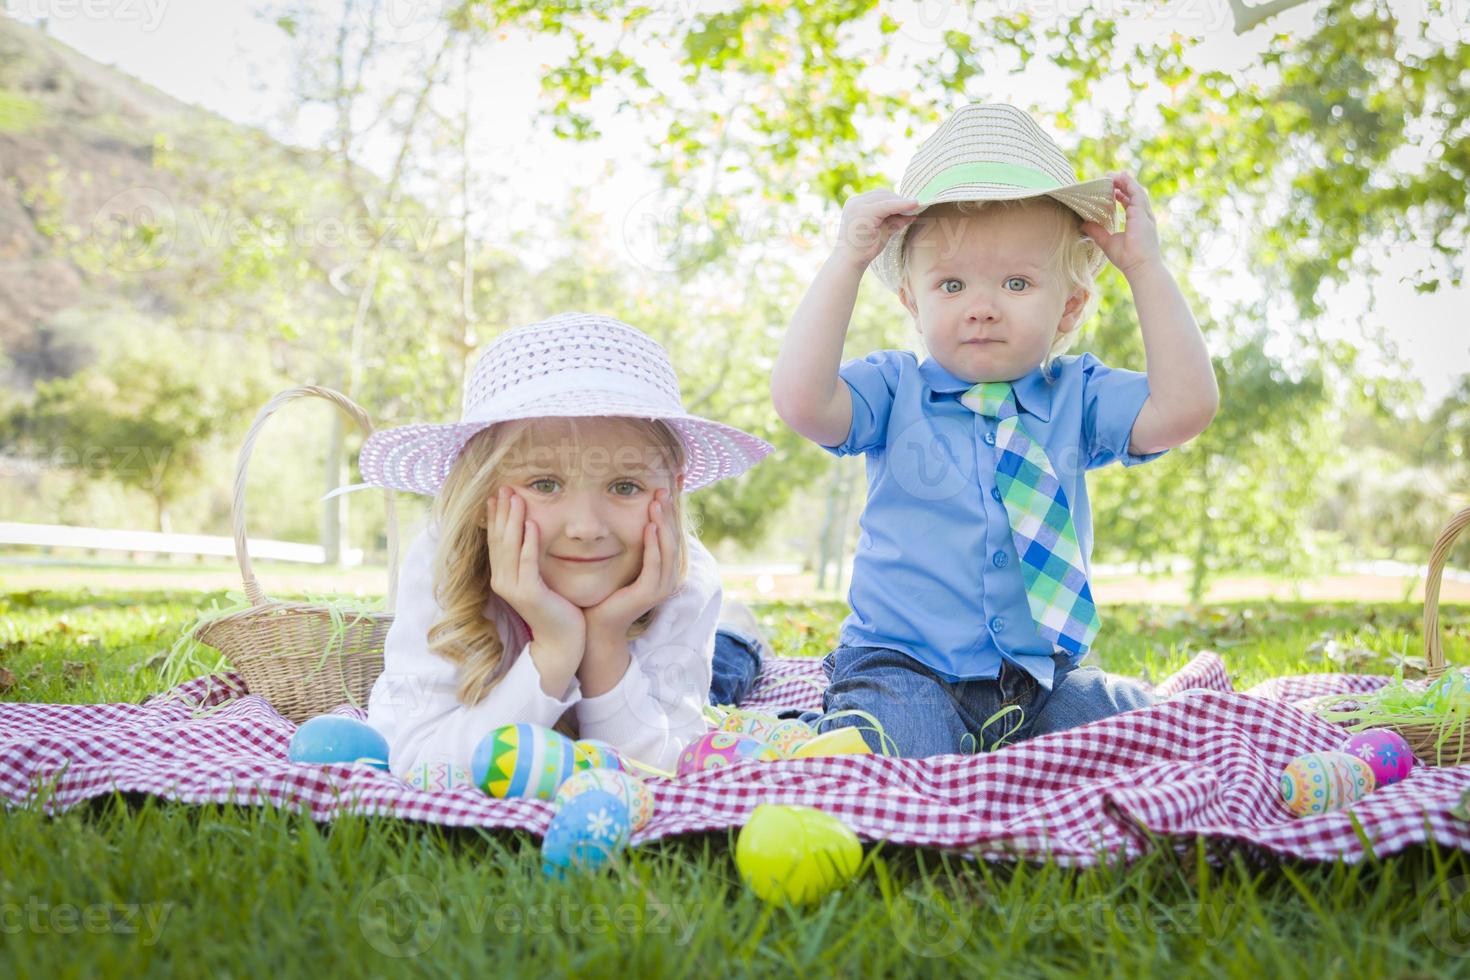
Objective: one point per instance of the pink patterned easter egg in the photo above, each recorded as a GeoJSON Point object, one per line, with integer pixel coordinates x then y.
{"type": "Point", "coordinates": [716, 749]}
{"type": "Point", "coordinates": [1385, 752]}
{"type": "Point", "coordinates": [1320, 782]}
{"type": "Point", "coordinates": [624, 785]}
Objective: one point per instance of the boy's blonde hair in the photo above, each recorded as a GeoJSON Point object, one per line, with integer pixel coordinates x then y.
{"type": "Point", "coordinates": [461, 568]}
{"type": "Point", "coordinates": [1072, 252]}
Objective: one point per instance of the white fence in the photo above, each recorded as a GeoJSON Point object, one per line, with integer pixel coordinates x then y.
{"type": "Point", "coordinates": [93, 539]}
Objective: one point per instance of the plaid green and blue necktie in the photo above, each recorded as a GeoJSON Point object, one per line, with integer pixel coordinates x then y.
{"type": "Point", "coordinates": [1041, 524]}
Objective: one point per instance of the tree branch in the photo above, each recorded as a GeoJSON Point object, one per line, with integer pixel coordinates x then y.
{"type": "Point", "coordinates": [1248, 17]}
{"type": "Point", "coordinates": [702, 399]}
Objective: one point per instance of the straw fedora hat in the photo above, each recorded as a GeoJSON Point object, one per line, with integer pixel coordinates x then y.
{"type": "Point", "coordinates": [573, 364]}
{"type": "Point", "coordinates": [996, 152]}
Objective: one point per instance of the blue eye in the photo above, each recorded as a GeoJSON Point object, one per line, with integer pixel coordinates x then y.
{"type": "Point", "coordinates": [944, 286]}
{"type": "Point", "coordinates": [1018, 279]}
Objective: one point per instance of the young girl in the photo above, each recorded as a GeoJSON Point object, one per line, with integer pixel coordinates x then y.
{"type": "Point", "coordinates": [556, 581]}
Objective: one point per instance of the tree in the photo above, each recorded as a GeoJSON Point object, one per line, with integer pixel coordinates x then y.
{"type": "Point", "coordinates": [136, 421]}
{"type": "Point", "coordinates": [722, 351]}
{"type": "Point", "coordinates": [1404, 477]}
{"type": "Point", "coordinates": [777, 108]}
{"type": "Point", "coordinates": [768, 115]}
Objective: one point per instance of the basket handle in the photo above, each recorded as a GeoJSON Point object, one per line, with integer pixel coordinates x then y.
{"type": "Point", "coordinates": [1433, 642]}
{"type": "Point", "coordinates": [253, 591]}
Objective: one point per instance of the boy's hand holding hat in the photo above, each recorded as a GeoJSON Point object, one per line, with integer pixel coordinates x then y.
{"type": "Point", "coordinates": [1137, 246]}
{"type": "Point", "coordinates": [869, 220]}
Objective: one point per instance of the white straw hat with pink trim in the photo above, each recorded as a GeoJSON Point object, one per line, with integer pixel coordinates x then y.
{"type": "Point", "coordinates": [573, 364]}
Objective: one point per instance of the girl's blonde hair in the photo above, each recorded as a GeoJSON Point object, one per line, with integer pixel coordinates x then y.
{"type": "Point", "coordinates": [1072, 252]}
{"type": "Point", "coordinates": [461, 569]}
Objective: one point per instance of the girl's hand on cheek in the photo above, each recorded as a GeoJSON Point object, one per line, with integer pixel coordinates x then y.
{"type": "Point", "coordinates": [514, 545]}
{"type": "Point", "coordinates": [657, 580]}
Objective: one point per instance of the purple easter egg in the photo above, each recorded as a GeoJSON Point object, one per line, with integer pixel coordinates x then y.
{"type": "Point", "coordinates": [1385, 751]}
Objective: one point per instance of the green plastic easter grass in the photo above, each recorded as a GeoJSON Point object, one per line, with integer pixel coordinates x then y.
{"type": "Point", "coordinates": [971, 745]}
{"type": "Point", "coordinates": [1444, 703]}
{"type": "Point", "coordinates": [188, 657]}
{"type": "Point", "coordinates": [889, 746]}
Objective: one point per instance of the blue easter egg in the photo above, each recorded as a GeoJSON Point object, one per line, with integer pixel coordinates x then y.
{"type": "Point", "coordinates": [334, 739]}
{"type": "Point", "coordinates": [588, 829]}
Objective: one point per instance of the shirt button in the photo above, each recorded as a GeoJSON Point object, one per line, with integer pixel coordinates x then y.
{"type": "Point", "coordinates": [995, 492]}
{"type": "Point", "coordinates": [990, 438]}
{"type": "Point", "coordinates": [997, 624]}
{"type": "Point", "coordinates": [1001, 559]}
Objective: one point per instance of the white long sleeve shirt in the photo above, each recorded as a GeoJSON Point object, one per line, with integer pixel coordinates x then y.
{"type": "Point", "coordinates": [651, 714]}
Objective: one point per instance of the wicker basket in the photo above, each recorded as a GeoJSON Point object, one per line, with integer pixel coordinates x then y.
{"type": "Point", "coordinates": [1422, 738]}
{"type": "Point", "coordinates": [289, 652]}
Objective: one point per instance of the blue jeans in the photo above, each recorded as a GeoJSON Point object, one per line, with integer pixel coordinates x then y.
{"type": "Point", "coordinates": [924, 715]}
{"type": "Point", "coordinates": [737, 665]}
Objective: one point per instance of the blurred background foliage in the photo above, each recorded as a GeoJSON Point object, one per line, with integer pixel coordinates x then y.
{"type": "Point", "coordinates": [163, 288]}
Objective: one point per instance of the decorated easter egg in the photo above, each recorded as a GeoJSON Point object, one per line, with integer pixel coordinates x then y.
{"type": "Point", "coordinates": [789, 736]}
{"type": "Point", "coordinates": [436, 777]}
{"type": "Point", "coordinates": [795, 854]}
{"type": "Point", "coordinates": [839, 741]}
{"type": "Point", "coordinates": [522, 760]}
{"type": "Point", "coordinates": [588, 829]}
{"type": "Point", "coordinates": [624, 785]}
{"type": "Point", "coordinates": [594, 754]}
{"type": "Point", "coordinates": [1385, 751]}
{"type": "Point", "coordinates": [716, 749]}
{"type": "Point", "coordinates": [1320, 782]}
{"type": "Point", "coordinates": [332, 738]}
{"type": "Point", "coordinates": [751, 723]}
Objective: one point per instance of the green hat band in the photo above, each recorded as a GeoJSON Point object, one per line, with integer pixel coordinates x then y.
{"type": "Point", "coordinates": [985, 173]}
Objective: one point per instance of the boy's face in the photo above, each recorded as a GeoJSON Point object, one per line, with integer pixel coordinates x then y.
{"type": "Point", "coordinates": [588, 493]}
{"type": "Point", "coordinates": [987, 300]}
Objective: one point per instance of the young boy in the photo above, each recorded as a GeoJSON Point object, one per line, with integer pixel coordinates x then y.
{"type": "Point", "coordinates": [970, 605]}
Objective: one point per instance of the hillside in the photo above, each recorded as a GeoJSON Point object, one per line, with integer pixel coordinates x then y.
{"type": "Point", "coordinates": [79, 149]}
{"type": "Point", "coordinates": [61, 113]}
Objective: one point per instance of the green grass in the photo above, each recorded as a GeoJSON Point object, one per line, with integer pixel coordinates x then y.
{"type": "Point", "coordinates": [18, 113]}
{"type": "Point", "coordinates": [128, 884]}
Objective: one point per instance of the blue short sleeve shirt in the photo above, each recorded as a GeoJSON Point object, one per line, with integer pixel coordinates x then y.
{"type": "Point", "coordinates": [935, 575]}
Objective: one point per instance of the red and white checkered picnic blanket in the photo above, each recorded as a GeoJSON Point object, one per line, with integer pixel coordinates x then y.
{"type": "Point", "coordinates": [1206, 764]}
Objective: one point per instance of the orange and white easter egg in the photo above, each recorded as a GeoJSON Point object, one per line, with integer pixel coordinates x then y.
{"type": "Point", "coordinates": [1321, 782]}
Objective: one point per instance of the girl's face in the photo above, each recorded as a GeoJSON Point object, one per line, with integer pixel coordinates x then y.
{"type": "Point", "coordinates": [588, 494]}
